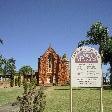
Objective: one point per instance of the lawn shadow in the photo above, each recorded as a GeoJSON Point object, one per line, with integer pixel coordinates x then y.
{"type": "Point", "coordinates": [107, 87]}
{"type": "Point", "coordinates": [81, 88]}
{"type": "Point", "coordinates": [68, 89]}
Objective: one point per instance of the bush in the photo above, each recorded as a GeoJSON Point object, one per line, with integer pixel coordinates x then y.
{"type": "Point", "coordinates": [33, 100]}
{"type": "Point", "coordinates": [19, 81]}
{"type": "Point", "coordinates": [12, 82]}
{"type": "Point", "coordinates": [25, 87]}
{"type": "Point", "coordinates": [16, 81]}
{"type": "Point", "coordinates": [24, 102]}
{"type": "Point", "coordinates": [39, 101]}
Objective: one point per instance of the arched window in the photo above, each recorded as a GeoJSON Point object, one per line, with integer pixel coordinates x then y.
{"type": "Point", "coordinates": [50, 62]}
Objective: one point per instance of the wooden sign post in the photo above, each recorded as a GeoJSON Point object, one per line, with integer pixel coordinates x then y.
{"type": "Point", "coordinates": [86, 70]}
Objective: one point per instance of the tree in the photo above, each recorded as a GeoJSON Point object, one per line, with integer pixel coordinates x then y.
{"type": "Point", "coordinates": [4, 68]}
{"type": "Point", "coordinates": [16, 81]}
{"type": "Point", "coordinates": [1, 63]}
{"type": "Point", "coordinates": [10, 65]}
{"type": "Point", "coordinates": [7, 67]}
{"type": "Point", "coordinates": [1, 58]}
{"type": "Point", "coordinates": [105, 75]}
{"type": "Point", "coordinates": [107, 56]}
{"type": "Point", "coordinates": [98, 35]}
{"type": "Point", "coordinates": [25, 71]}
{"type": "Point", "coordinates": [19, 80]}
{"type": "Point", "coordinates": [64, 56]}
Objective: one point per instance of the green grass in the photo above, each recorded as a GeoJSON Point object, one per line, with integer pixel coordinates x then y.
{"type": "Point", "coordinates": [58, 99]}
{"type": "Point", "coordinates": [8, 95]}
{"type": "Point", "coordinates": [84, 100]}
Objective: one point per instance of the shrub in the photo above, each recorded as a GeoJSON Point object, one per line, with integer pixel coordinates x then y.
{"type": "Point", "coordinates": [33, 100]}
{"type": "Point", "coordinates": [12, 82]}
{"type": "Point", "coordinates": [16, 81]}
{"type": "Point", "coordinates": [25, 87]}
{"type": "Point", "coordinates": [39, 101]}
{"type": "Point", "coordinates": [24, 102]}
{"type": "Point", "coordinates": [19, 81]}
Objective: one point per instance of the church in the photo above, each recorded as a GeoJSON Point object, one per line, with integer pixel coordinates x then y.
{"type": "Point", "coordinates": [53, 69]}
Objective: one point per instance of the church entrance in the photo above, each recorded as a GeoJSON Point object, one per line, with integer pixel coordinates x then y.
{"type": "Point", "coordinates": [51, 79]}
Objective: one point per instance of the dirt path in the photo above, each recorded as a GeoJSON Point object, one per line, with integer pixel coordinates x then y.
{"type": "Point", "coordinates": [9, 108]}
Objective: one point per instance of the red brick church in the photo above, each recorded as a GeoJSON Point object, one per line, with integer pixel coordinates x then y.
{"type": "Point", "coordinates": [52, 69]}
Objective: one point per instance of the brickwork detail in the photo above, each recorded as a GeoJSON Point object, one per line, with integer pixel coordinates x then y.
{"type": "Point", "coordinates": [52, 69]}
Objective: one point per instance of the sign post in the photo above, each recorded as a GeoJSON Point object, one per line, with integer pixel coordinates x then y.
{"type": "Point", "coordinates": [71, 99]}
{"type": "Point", "coordinates": [101, 103]}
{"type": "Point", "coordinates": [86, 70]}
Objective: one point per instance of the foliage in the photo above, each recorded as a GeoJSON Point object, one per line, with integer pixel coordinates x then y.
{"type": "Point", "coordinates": [25, 86]}
{"type": "Point", "coordinates": [25, 70]}
{"type": "Point", "coordinates": [19, 80]}
{"type": "Point", "coordinates": [3, 66]}
{"type": "Point", "coordinates": [64, 56]}
{"type": "Point", "coordinates": [1, 63]}
{"type": "Point", "coordinates": [32, 100]}
{"type": "Point", "coordinates": [16, 81]}
{"type": "Point", "coordinates": [32, 85]}
{"type": "Point", "coordinates": [25, 103]}
{"type": "Point", "coordinates": [39, 101]}
{"type": "Point", "coordinates": [7, 66]}
{"type": "Point", "coordinates": [98, 35]}
{"type": "Point", "coordinates": [107, 56]}
{"type": "Point", "coordinates": [12, 81]}
{"type": "Point", "coordinates": [11, 66]}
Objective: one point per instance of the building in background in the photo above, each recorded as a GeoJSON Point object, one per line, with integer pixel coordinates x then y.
{"type": "Point", "coordinates": [53, 69]}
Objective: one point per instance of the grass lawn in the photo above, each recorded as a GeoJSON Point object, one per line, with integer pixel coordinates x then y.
{"type": "Point", "coordinates": [8, 95]}
{"type": "Point", "coordinates": [58, 99]}
{"type": "Point", "coordinates": [84, 100]}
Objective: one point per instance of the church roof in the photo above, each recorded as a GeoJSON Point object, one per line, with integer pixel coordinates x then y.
{"type": "Point", "coordinates": [49, 50]}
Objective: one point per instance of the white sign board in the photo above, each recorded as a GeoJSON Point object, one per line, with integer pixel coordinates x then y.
{"type": "Point", "coordinates": [86, 68]}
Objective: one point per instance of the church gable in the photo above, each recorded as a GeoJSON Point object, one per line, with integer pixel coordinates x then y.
{"type": "Point", "coordinates": [50, 51]}
{"type": "Point", "coordinates": [51, 68]}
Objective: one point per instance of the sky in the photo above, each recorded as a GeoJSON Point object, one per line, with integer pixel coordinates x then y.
{"type": "Point", "coordinates": [28, 27]}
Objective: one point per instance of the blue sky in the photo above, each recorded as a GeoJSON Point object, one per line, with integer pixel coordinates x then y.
{"type": "Point", "coordinates": [29, 26]}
